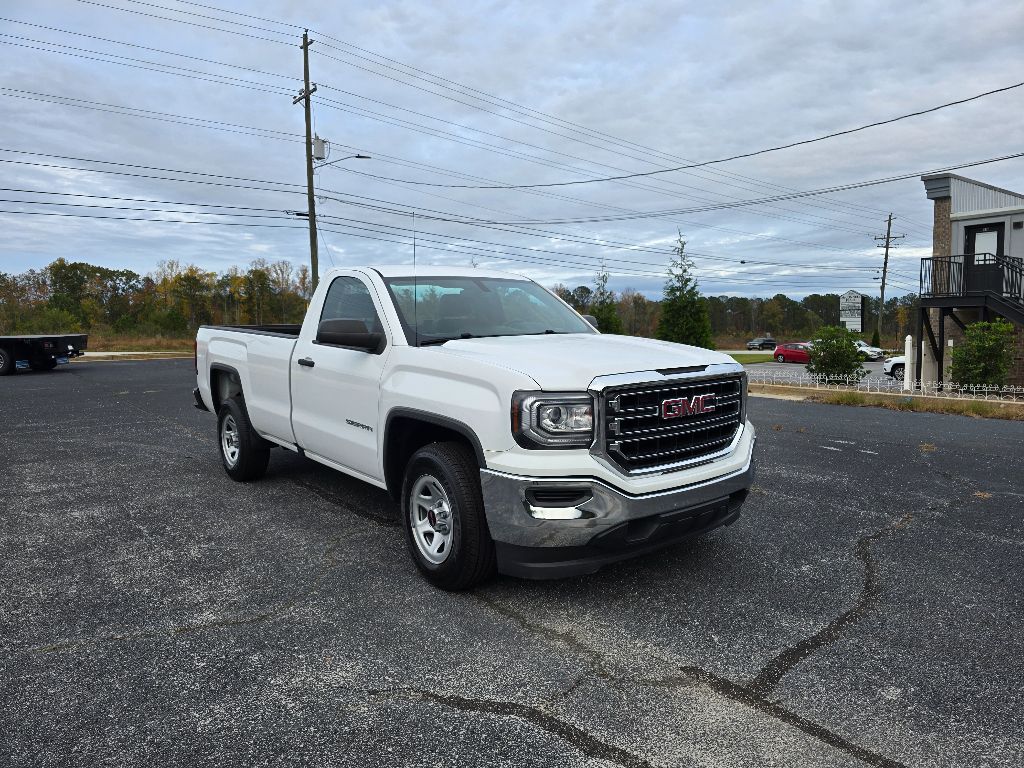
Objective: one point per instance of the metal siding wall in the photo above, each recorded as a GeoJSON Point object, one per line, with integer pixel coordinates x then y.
{"type": "Point", "coordinates": [972, 197]}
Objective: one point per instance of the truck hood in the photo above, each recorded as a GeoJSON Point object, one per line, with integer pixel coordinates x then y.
{"type": "Point", "coordinates": [571, 362]}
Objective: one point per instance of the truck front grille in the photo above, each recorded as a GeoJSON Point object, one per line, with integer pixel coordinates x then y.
{"type": "Point", "coordinates": [648, 427]}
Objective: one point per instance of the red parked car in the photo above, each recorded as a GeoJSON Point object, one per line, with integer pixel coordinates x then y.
{"type": "Point", "coordinates": [792, 353]}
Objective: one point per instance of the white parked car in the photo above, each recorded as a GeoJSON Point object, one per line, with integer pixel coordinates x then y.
{"type": "Point", "coordinates": [894, 366]}
{"type": "Point", "coordinates": [514, 435]}
{"type": "Point", "coordinates": [869, 352]}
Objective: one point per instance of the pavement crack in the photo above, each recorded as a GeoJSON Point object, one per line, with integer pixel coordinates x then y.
{"type": "Point", "coordinates": [772, 673]}
{"type": "Point", "coordinates": [567, 639]}
{"type": "Point", "coordinates": [588, 744]}
{"type": "Point", "coordinates": [746, 696]}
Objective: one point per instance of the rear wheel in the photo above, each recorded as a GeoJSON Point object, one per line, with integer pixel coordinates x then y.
{"type": "Point", "coordinates": [6, 362]}
{"type": "Point", "coordinates": [243, 452]}
{"type": "Point", "coordinates": [897, 371]}
{"type": "Point", "coordinates": [781, 358]}
{"type": "Point", "coordinates": [443, 513]}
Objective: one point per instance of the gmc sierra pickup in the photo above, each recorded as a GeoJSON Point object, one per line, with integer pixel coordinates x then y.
{"type": "Point", "coordinates": [515, 436]}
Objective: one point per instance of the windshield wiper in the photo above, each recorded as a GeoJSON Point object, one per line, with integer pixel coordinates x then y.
{"type": "Point", "coordinates": [433, 342]}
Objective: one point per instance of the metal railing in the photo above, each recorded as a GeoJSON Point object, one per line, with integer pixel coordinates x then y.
{"type": "Point", "coordinates": [886, 385]}
{"type": "Point", "coordinates": [977, 273]}
{"type": "Point", "coordinates": [942, 276]}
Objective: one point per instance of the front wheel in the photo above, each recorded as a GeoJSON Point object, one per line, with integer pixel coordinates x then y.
{"type": "Point", "coordinates": [781, 358]}
{"type": "Point", "coordinates": [243, 452]}
{"type": "Point", "coordinates": [443, 513]}
{"type": "Point", "coordinates": [897, 372]}
{"type": "Point", "coordinates": [6, 362]}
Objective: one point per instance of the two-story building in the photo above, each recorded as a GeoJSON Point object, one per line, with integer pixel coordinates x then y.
{"type": "Point", "coordinates": [975, 273]}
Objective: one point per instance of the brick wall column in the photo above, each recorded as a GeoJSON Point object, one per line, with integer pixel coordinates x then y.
{"type": "Point", "coordinates": [942, 227]}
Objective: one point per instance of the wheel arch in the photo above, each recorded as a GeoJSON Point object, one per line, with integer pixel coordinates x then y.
{"type": "Point", "coordinates": [225, 383]}
{"type": "Point", "coordinates": [406, 430]}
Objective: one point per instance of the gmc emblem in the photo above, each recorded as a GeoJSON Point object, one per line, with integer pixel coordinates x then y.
{"type": "Point", "coordinates": [680, 406]}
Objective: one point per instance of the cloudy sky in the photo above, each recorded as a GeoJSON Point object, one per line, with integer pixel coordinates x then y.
{"type": "Point", "coordinates": [457, 92]}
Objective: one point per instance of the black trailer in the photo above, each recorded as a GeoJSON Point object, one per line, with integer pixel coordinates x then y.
{"type": "Point", "coordinates": [40, 353]}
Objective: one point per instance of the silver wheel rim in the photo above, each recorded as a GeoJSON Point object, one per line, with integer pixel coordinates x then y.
{"type": "Point", "coordinates": [229, 442]}
{"type": "Point", "coordinates": [431, 519]}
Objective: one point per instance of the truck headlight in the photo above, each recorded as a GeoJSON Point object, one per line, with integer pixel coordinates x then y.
{"type": "Point", "coordinates": [552, 420]}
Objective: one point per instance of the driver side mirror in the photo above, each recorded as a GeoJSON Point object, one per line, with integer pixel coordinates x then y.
{"type": "Point", "coordinates": [590, 319]}
{"type": "Point", "coordinates": [351, 334]}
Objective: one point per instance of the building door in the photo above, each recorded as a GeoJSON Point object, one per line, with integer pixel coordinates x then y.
{"type": "Point", "coordinates": [982, 244]}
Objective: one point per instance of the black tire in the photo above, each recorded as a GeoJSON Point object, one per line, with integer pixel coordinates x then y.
{"type": "Point", "coordinates": [781, 358]}
{"type": "Point", "coordinates": [470, 558]}
{"type": "Point", "coordinates": [253, 452]}
{"type": "Point", "coordinates": [47, 365]}
{"type": "Point", "coordinates": [897, 371]}
{"type": "Point", "coordinates": [6, 362]}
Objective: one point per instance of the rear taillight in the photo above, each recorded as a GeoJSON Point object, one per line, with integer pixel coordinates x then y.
{"type": "Point", "coordinates": [195, 355]}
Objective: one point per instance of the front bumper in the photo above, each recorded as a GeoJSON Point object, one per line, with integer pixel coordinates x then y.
{"type": "Point", "coordinates": [612, 525]}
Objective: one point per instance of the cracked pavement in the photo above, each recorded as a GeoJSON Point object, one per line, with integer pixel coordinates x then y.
{"type": "Point", "coordinates": [865, 609]}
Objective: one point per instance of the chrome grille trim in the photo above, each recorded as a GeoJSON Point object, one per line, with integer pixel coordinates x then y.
{"type": "Point", "coordinates": [637, 440]}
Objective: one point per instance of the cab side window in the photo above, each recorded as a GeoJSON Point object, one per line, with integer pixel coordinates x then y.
{"type": "Point", "coordinates": [349, 299]}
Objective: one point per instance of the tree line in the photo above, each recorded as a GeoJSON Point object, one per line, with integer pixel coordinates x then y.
{"type": "Point", "coordinates": [174, 299]}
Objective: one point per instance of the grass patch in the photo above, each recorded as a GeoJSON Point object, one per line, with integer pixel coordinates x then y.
{"type": "Point", "coordinates": [986, 409]}
{"type": "Point", "coordinates": [101, 342]}
{"type": "Point", "coordinates": [753, 357]}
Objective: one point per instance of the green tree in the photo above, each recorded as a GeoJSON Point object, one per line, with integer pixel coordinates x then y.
{"type": "Point", "coordinates": [684, 312]}
{"type": "Point", "coordinates": [834, 356]}
{"type": "Point", "coordinates": [985, 356]}
{"type": "Point", "coordinates": [602, 306]}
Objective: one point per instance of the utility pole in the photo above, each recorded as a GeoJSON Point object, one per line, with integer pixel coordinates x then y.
{"type": "Point", "coordinates": [889, 237]}
{"type": "Point", "coordinates": [304, 95]}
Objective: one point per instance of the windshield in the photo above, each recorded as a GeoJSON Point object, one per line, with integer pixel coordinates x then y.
{"type": "Point", "coordinates": [438, 309]}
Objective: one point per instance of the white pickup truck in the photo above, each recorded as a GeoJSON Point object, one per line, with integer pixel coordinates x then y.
{"type": "Point", "coordinates": [515, 436]}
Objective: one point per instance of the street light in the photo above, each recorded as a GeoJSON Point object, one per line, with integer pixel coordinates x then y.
{"type": "Point", "coordinates": [314, 260]}
{"type": "Point", "coordinates": [347, 157]}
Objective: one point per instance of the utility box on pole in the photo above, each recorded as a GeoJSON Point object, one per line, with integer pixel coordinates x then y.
{"type": "Point", "coordinates": [319, 148]}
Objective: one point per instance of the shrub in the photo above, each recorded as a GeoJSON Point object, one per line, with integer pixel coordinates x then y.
{"type": "Point", "coordinates": [985, 356]}
{"type": "Point", "coordinates": [834, 356]}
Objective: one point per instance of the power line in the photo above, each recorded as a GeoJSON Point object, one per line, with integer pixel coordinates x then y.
{"type": "Point", "coordinates": [130, 62]}
{"type": "Point", "coordinates": [760, 151]}
{"type": "Point", "coordinates": [826, 190]}
{"type": "Point", "coordinates": [253, 85]}
{"type": "Point", "coordinates": [376, 63]}
{"type": "Point", "coordinates": [149, 114]}
{"type": "Point", "coordinates": [485, 223]}
{"type": "Point", "coordinates": [190, 23]}
{"type": "Point", "coordinates": [147, 48]}
{"type": "Point", "coordinates": [277, 214]}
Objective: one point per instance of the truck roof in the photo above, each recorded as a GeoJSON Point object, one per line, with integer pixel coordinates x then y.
{"type": "Point", "coordinates": [430, 270]}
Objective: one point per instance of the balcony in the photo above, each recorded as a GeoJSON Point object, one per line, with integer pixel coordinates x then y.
{"type": "Point", "coordinates": [983, 280]}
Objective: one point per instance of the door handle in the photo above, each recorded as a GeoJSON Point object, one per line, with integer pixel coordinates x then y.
{"type": "Point", "coordinates": [307, 362]}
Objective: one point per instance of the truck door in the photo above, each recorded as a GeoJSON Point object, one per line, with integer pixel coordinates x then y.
{"type": "Point", "coordinates": [336, 390]}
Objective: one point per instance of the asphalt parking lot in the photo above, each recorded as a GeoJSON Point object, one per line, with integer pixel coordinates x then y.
{"type": "Point", "coordinates": [865, 610]}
